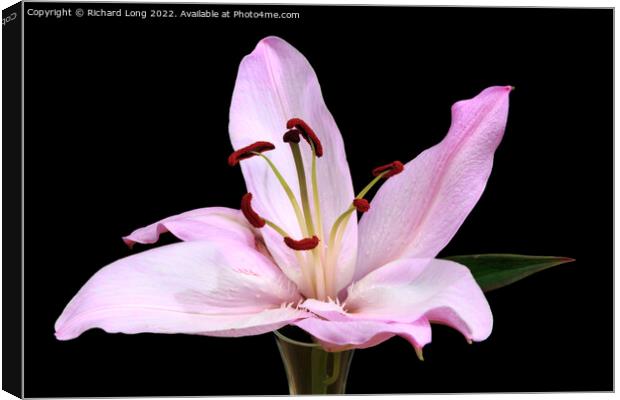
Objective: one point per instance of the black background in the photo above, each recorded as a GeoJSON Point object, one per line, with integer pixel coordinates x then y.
{"type": "Point", "coordinates": [126, 123]}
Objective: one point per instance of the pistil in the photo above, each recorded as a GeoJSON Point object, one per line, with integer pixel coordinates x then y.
{"type": "Point", "coordinates": [317, 268]}
{"type": "Point", "coordinates": [303, 186]}
{"type": "Point", "coordinates": [311, 265]}
{"type": "Point", "coordinates": [307, 134]}
{"type": "Point", "coordinates": [298, 127]}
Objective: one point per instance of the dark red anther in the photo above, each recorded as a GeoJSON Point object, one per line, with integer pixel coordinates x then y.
{"type": "Point", "coordinates": [248, 151]}
{"type": "Point", "coordinates": [303, 244]}
{"type": "Point", "coordinates": [362, 205]}
{"type": "Point", "coordinates": [291, 136]}
{"type": "Point", "coordinates": [246, 208]}
{"type": "Point", "coordinates": [393, 168]}
{"type": "Point", "coordinates": [307, 133]}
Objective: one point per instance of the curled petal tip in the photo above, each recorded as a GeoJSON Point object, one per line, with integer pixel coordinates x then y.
{"type": "Point", "coordinates": [270, 39]}
{"type": "Point", "coordinates": [128, 242]}
{"type": "Point", "coordinates": [509, 88]}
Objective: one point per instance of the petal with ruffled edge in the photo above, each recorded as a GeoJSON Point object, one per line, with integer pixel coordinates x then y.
{"type": "Point", "coordinates": [416, 213]}
{"type": "Point", "coordinates": [200, 224]}
{"type": "Point", "coordinates": [218, 288]}
{"type": "Point", "coordinates": [361, 334]}
{"type": "Point", "coordinates": [409, 289]}
{"type": "Point", "coordinates": [338, 329]}
{"type": "Point", "coordinates": [276, 83]}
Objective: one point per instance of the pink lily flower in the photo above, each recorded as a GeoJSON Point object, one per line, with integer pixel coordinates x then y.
{"type": "Point", "coordinates": [294, 253]}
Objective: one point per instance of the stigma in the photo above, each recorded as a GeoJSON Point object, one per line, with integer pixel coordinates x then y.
{"type": "Point", "coordinates": [307, 133]}
{"type": "Point", "coordinates": [291, 136]}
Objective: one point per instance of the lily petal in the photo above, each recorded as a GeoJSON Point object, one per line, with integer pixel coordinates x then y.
{"type": "Point", "coordinates": [210, 223]}
{"type": "Point", "coordinates": [199, 224]}
{"type": "Point", "coordinates": [416, 213]}
{"type": "Point", "coordinates": [276, 83]}
{"type": "Point", "coordinates": [361, 334]}
{"type": "Point", "coordinates": [211, 288]}
{"type": "Point", "coordinates": [409, 289]}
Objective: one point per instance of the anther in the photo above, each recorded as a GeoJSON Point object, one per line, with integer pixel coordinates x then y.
{"type": "Point", "coordinates": [307, 133]}
{"type": "Point", "coordinates": [291, 136]}
{"type": "Point", "coordinates": [392, 169]}
{"type": "Point", "coordinates": [361, 205]}
{"type": "Point", "coordinates": [249, 151]}
{"type": "Point", "coordinates": [303, 244]}
{"type": "Point", "coordinates": [246, 208]}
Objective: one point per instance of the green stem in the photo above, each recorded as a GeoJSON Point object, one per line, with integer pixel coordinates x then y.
{"type": "Point", "coordinates": [319, 369]}
{"type": "Point", "coordinates": [335, 369]}
{"type": "Point", "coordinates": [312, 370]}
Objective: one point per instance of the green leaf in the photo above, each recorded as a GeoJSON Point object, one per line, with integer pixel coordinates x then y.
{"type": "Point", "coordinates": [493, 271]}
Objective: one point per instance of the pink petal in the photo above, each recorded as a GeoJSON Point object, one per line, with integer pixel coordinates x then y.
{"type": "Point", "coordinates": [361, 334]}
{"type": "Point", "coordinates": [276, 83]}
{"type": "Point", "coordinates": [338, 329]}
{"type": "Point", "coordinates": [200, 224]}
{"type": "Point", "coordinates": [210, 288]}
{"type": "Point", "coordinates": [416, 213]}
{"type": "Point", "coordinates": [211, 223]}
{"type": "Point", "coordinates": [409, 289]}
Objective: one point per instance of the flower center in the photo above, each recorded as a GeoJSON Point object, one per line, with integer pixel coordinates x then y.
{"type": "Point", "coordinates": [317, 263]}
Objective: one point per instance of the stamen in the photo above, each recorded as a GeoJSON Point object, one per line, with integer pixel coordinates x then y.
{"type": "Point", "coordinates": [291, 136]}
{"type": "Point", "coordinates": [389, 170]}
{"type": "Point", "coordinates": [344, 217]}
{"type": "Point", "coordinates": [307, 133]}
{"type": "Point", "coordinates": [246, 208]}
{"type": "Point", "coordinates": [362, 205]}
{"type": "Point", "coordinates": [249, 151]}
{"type": "Point", "coordinates": [303, 244]}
